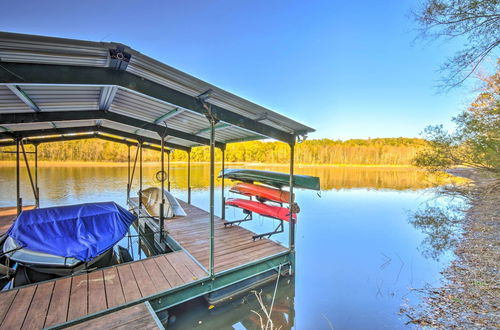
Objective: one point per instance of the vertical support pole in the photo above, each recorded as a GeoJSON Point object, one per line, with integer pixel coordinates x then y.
{"type": "Point", "coordinates": [37, 202]}
{"type": "Point", "coordinates": [128, 174]}
{"type": "Point", "coordinates": [212, 194]}
{"type": "Point", "coordinates": [28, 169]}
{"type": "Point", "coordinates": [223, 199]}
{"type": "Point", "coordinates": [19, 202]}
{"type": "Point", "coordinates": [291, 238]}
{"type": "Point", "coordinates": [168, 170]}
{"type": "Point", "coordinates": [189, 177]}
{"type": "Point", "coordinates": [162, 205]}
{"type": "Point", "coordinates": [140, 175]}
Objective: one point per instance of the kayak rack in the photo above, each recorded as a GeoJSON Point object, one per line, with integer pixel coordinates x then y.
{"type": "Point", "coordinates": [279, 229]}
{"type": "Point", "coordinates": [248, 217]}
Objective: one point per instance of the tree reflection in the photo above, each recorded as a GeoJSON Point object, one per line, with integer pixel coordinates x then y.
{"type": "Point", "coordinates": [441, 221]}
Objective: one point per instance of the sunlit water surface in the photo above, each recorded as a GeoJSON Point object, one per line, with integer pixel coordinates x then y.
{"type": "Point", "coordinates": [358, 257]}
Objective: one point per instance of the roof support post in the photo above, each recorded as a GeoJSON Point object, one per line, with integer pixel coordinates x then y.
{"type": "Point", "coordinates": [128, 174]}
{"type": "Point", "coordinates": [162, 205]}
{"type": "Point", "coordinates": [189, 177]}
{"type": "Point", "coordinates": [291, 233]}
{"type": "Point", "coordinates": [168, 170]}
{"type": "Point", "coordinates": [133, 171]}
{"type": "Point", "coordinates": [207, 107]}
{"type": "Point", "coordinates": [223, 206]}
{"type": "Point", "coordinates": [19, 201]}
{"type": "Point", "coordinates": [140, 176]}
{"type": "Point", "coordinates": [37, 202]}
{"type": "Point", "coordinates": [29, 171]}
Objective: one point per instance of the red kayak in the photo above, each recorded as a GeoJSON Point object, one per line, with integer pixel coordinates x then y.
{"type": "Point", "coordinates": [268, 193]}
{"type": "Point", "coordinates": [271, 211]}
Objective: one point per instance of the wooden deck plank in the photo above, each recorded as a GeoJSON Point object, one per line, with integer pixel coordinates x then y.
{"type": "Point", "coordinates": [58, 308]}
{"type": "Point", "coordinates": [78, 299]}
{"type": "Point", "coordinates": [135, 317]}
{"type": "Point", "coordinates": [35, 318]}
{"type": "Point", "coordinates": [114, 292]}
{"type": "Point", "coordinates": [195, 269]}
{"type": "Point", "coordinates": [6, 299]}
{"type": "Point", "coordinates": [156, 276]}
{"type": "Point", "coordinates": [97, 292]}
{"type": "Point", "coordinates": [170, 274]}
{"type": "Point", "coordinates": [18, 309]}
{"type": "Point", "coordinates": [129, 284]}
{"type": "Point", "coordinates": [181, 269]}
{"type": "Point", "coordinates": [145, 283]}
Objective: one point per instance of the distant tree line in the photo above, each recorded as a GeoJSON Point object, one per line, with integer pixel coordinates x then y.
{"type": "Point", "coordinates": [380, 151]}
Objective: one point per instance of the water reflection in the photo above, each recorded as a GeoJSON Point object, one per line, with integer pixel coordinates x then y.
{"type": "Point", "coordinates": [240, 313]}
{"type": "Point", "coordinates": [357, 253]}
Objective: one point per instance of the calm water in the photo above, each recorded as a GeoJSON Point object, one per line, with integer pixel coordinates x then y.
{"type": "Point", "coordinates": [357, 254]}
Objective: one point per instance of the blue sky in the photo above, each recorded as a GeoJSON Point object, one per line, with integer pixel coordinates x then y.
{"type": "Point", "coordinates": [350, 69]}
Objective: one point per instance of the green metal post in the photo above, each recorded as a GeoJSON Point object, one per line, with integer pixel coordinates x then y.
{"type": "Point", "coordinates": [140, 175]}
{"type": "Point", "coordinates": [223, 209]}
{"type": "Point", "coordinates": [36, 177]}
{"type": "Point", "coordinates": [291, 237]}
{"type": "Point", "coordinates": [33, 187]}
{"type": "Point", "coordinates": [189, 177]}
{"type": "Point", "coordinates": [162, 205]}
{"type": "Point", "coordinates": [168, 170]}
{"type": "Point", "coordinates": [19, 201]}
{"type": "Point", "coordinates": [128, 174]}
{"type": "Point", "coordinates": [212, 194]}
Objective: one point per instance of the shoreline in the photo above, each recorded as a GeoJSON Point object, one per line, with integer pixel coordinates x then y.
{"type": "Point", "coordinates": [470, 294]}
{"type": "Point", "coordinates": [43, 163]}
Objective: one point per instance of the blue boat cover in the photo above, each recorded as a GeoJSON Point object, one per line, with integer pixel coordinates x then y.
{"type": "Point", "coordinates": [81, 231]}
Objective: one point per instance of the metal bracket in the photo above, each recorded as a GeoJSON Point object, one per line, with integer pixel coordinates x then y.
{"type": "Point", "coordinates": [119, 58]}
{"type": "Point", "coordinates": [279, 229]}
{"type": "Point", "coordinates": [207, 107]}
{"type": "Point", "coordinates": [248, 217]}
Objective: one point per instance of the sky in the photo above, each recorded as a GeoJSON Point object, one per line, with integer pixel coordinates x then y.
{"type": "Point", "coordinates": [349, 69]}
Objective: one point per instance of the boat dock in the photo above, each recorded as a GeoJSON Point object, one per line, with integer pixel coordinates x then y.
{"type": "Point", "coordinates": [152, 284]}
{"type": "Point", "coordinates": [54, 90]}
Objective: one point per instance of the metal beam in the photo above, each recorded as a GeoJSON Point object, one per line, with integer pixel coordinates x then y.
{"type": "Point", "coordinates": [54, 116]}
{"type": "Point", "coordinates": [168, 115]}
{"type": "Point", "coordinates": [107, 96]}
{"type": "Point", "coordinates": [86, 129]}
{"type": "Point", "coordinates": [24, 97]}
{"type": "Point", "coordinates": [218, 126]}
{"type": "Point", "coordinates": [19, 73]}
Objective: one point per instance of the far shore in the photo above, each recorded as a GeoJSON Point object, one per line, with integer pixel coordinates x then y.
{"type": "Point", "coordinates": [11, 163]}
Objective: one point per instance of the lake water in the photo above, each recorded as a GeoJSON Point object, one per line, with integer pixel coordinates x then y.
{"type": "Point", "coordinates": [358, 256]}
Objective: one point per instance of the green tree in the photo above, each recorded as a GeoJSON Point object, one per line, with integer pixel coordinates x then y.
{"type": "Point", "coordinates": [476, 140]}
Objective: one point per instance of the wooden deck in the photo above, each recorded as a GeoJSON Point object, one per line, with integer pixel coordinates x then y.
{"type": "Point", "coordinates": [57, 301]}
{"type": "Point", "coordinates": [8, 215]}
{"type": "Point", "coordinates": [135, 317]}
{"type": "Point", "coordinates": [233, 245]}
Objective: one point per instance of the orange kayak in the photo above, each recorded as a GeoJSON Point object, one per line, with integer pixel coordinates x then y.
{"type": "Point", "coordinates": [263, 192]}
{"type": "Point", "coordinates": [270, 211]}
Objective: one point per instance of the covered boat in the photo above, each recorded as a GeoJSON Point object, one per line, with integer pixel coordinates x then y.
{"type": "Point", "coordinates": [275, 179]}
{"type": "Point", "coordinates": [59, 241]}
{"type": "Point", "coordinates": [151, 199]}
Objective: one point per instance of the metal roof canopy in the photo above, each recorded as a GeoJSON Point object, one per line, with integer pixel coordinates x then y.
{"type": "Point", "coordinates": [55, 86]}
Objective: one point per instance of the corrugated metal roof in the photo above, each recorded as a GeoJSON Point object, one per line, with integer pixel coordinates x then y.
{"type": "Point", "coordinates": [28, 96]}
